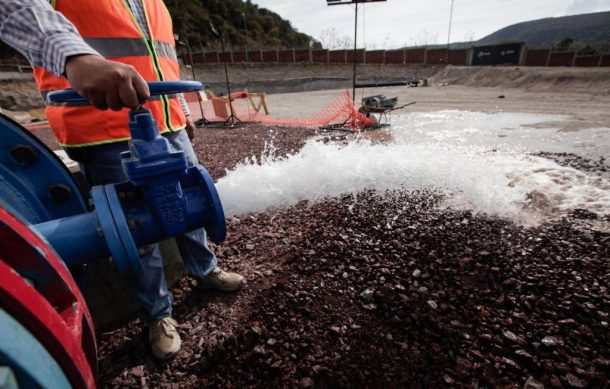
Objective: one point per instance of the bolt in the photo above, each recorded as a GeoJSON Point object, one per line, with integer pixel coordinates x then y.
{"type": "Point", "coordinates": [126, 195]}
{"type": "Point", "coordinates": [60, 193]}
{"type": "Point", "coordinates": [24, 155]}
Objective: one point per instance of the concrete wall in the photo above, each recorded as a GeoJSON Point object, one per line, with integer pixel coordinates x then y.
{"type": "Point", "coordinates": [537, 57]}
{"type": "Point", "coordinates": [561, 59]}
{"type": "Point", "coordinates": [423, 56]}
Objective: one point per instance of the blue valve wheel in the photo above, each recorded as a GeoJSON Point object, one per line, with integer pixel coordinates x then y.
{"type": "Point", "coordinates": [156, 88]}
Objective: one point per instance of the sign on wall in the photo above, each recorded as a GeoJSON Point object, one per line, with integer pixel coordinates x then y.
{"type": "Point", "coordinates": [508, 54]}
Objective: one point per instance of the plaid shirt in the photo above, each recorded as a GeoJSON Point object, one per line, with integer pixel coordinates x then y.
{"type": "Point", "coordinates": [47, 39]}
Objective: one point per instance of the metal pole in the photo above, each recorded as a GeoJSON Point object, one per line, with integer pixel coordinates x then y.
{"type": "Point", "coordinates": [243, 15]}
{"type": "Point", "coordinates": [449, 33]}
{"type": "Point", "coordinates": [355, 51]}
{"type": "Point", "coordinates": [224, 59]}
{"type": "Point", "coordinates": [188, 47]}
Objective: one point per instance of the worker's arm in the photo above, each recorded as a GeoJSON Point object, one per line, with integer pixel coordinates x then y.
{"type": "Point", "coordinates": [47, 39]}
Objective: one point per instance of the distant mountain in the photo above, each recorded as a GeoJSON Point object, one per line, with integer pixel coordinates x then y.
{"type": "Point", "coordinates": [587, 29]}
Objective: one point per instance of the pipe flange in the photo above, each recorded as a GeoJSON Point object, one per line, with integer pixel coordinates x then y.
{"type": "Point", "coordinates": [132, 257]}
{"type": "Point", "coordinates": [110, 230]}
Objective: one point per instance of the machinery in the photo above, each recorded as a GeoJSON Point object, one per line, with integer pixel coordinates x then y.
{"type": "Point", "coordinates": [49, 231]}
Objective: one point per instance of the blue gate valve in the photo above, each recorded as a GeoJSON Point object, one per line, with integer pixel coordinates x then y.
{"type": "Point", "coordinates": [163, 197]}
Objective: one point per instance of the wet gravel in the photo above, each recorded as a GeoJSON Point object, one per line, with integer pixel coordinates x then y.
{"type": "Point", "coordinates": [383, 290]}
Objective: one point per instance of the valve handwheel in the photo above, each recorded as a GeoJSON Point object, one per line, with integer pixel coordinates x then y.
{"type": "Point", "coordinates": [156, 88]}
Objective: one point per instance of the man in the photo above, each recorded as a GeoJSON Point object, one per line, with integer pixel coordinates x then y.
{"type": "Point", "coordinates": [67, 42]}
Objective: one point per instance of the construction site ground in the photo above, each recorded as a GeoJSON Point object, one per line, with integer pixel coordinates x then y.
{"type": "Point", "coordinates": [441, 298]}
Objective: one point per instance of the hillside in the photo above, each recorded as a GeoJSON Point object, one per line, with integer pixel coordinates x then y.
{"type": "Point", "coordinates": [587, 29]}
{"type": "Point", "coordinates": [231, 17]}
{"type": "Point", "coordinates": [191, 21]}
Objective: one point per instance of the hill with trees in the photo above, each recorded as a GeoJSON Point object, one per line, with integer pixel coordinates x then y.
{"type": "Point", "coordinates": [232, 18]}
{"type": "Point", "coordinates": [241, 22]}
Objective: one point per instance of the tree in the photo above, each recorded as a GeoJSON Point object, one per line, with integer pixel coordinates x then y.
{"type": "Point", "coordinates": [564, 45]}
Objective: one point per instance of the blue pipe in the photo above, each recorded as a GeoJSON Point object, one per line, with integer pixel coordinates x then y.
{"type": "Point", "coordinates": [80, 239]}
{"type": "Point", "coordinates": [77, 239]}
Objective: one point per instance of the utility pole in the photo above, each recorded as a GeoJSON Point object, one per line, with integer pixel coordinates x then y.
{"type": "Point", "coordinates": [355, 2]}
{"type": "Point", "coordinates": [188, 48]}
{"type": "Point", "coordinates": [449, 33]}
{"type": "Point", "coordinates": [355, 53]}
{"type": "Point", "coordinates": [243, 15]}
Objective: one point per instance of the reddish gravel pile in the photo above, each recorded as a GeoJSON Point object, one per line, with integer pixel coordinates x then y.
{"type": "Point", "coordinates": [383, 290]}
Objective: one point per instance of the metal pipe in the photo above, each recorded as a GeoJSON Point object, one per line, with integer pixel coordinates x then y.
{"type": "Point", "coordinates": [355, 51]}
{"type": "Point", "coordinates": [77, 239]}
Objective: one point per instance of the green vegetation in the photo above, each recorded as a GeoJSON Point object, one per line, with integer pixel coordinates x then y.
{"type": "Point", "coordinates": [231, 17]}
{"type": "Point", "coordinates": [564, 45]}
{"type": "Point", "coordinates": [568, 44]}
{"type": "Point", "coordinates": [191, 21]}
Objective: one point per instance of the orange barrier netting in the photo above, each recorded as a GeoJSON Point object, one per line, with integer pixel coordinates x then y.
{"type": "Point", "coordinates": [340, 111]}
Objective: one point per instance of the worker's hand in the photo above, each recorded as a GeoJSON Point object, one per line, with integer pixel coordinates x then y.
{"type": "Point", "coordinates": [190, 128]}
{"type": "Point", "coordinates": [106, 84]}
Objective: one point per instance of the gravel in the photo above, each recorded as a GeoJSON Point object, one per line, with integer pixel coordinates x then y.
{"type": "Point", "coordinates": [385, 290]}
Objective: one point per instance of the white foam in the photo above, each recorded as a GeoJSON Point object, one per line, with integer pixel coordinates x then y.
{"type": "Point", "coordinates": [429, 152]}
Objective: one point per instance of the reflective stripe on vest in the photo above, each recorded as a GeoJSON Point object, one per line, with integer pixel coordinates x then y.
{"type": "Point", "coordinates": [129, 47]}
{"type": "Point", "coordinates": [110, 28]}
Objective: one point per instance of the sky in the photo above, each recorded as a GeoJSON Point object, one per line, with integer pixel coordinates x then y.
{"type": "Point", "coordinates": [397, 23]}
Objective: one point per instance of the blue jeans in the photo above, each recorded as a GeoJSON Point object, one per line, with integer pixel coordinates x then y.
{"type": "Point", "coordinates": [101, 165]}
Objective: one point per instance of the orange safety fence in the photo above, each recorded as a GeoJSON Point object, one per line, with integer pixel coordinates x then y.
{"type": "Point", "coordinates": [342, 110]}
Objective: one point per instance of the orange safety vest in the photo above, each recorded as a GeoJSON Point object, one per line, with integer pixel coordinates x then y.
{"type": "Point", "coordinates": [109, 27]}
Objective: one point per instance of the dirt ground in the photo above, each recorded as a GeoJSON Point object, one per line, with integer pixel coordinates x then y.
{"type": "Point", "coordinates": [336, 296]}
{"type": "Point", "coordinates": [388, 289]}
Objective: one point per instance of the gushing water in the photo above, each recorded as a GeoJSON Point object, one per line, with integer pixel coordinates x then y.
{"type": "Point", "coordinates": [480, 161]}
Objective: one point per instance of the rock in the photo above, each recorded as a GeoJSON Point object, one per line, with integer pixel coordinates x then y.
{"type": "Point", "coordinates": [550, 341]}
{"type": "Point", "coordinates": [513, 337]}
{"type": "Point", "coordinates": [367, 295]}
{"type": "Point", "coordinates": [336, 330]}
{"type": "Point", "coordinates": [306, 382]}
{"type": "Point", "coordinates": [533, 384]}
{"type": "Point", "coordinates": [137, 371]}
{"type": "Point", "coordinates": [432, 304]}
{"type": "Point", "coordinates": [250, 247]}
{"type": "Point", "coordinates": [574, 381]}
{"type": "Point", "coordinates": [416, 273]}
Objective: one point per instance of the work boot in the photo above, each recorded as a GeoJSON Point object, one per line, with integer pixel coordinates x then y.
{"type": "Point", "coordinates": [221, 280]}
{"type": "Point", "coordinates": [163, 337]}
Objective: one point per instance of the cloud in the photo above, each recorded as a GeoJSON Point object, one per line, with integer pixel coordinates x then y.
{"type": "Point", "coordinates": [575, 7]}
